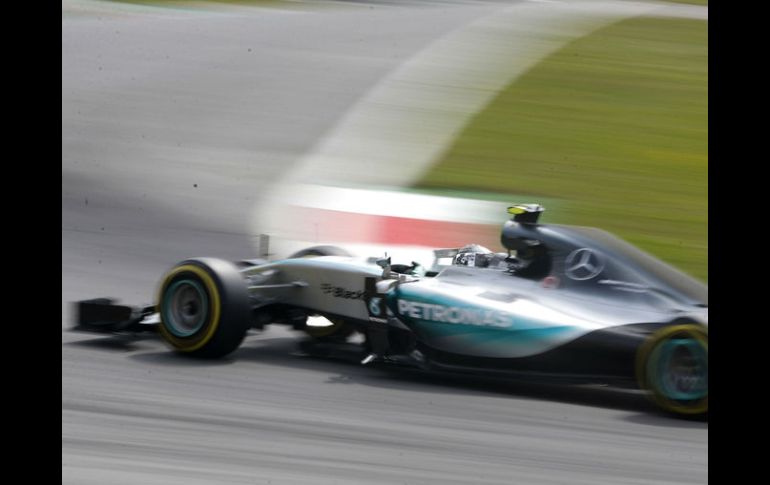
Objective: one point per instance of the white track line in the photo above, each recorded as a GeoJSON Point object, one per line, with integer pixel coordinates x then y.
{"type": "Point", "coordinates": [396, 132]}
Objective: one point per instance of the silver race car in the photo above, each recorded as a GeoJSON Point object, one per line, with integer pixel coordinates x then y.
{"type": "Point", "coordinates": [572, 303]}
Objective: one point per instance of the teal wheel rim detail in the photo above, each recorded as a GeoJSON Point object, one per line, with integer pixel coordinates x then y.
{"type": "Point", "coordinates": [679, 369]}
{"type": "Point", "coordinates": [185, 308]}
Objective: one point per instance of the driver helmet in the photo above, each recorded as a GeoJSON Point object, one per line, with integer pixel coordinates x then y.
{"type": "Point", "coordinates": [527, 254]}
{"type": "Point", "coordinates": [531, 257]}
{"type": "Point", "coordinates": [472, 255]}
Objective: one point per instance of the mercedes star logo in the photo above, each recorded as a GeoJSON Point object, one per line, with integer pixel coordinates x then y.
{"type": "Point", "coordinates": [583, 264]}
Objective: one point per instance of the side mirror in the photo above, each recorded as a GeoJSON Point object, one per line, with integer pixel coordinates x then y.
{"type": "Point", "coordinates": [418, 269]}
{"type": "Point", "coordinates": [384, 263]}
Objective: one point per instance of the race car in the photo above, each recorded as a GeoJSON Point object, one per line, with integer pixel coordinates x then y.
{"type": "Point", "coordinates": [561, 302]}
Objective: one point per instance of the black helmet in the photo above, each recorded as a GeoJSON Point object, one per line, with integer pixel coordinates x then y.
{"type": "Point", "coordinates": [532, 259]}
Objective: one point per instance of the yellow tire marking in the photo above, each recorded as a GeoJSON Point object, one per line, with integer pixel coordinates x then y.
{"type": "Point", "coordinates": [695, 331]}
{"type": "Point", "coordinates": [215, 312]}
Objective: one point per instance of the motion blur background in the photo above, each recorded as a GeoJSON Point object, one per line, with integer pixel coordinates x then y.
{"type": "Point", "coordinates": [189, 128]}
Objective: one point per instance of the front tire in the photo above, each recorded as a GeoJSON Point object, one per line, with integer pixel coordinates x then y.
{"type": "Point", "coordinates": [672, 365]}
{"type": "Point", "coordinates": [204, 308]}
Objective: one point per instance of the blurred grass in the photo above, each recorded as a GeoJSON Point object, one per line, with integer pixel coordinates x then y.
{"type": "Point", "coordinates": [615, 125]}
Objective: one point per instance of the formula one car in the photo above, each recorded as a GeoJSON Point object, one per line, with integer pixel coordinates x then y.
{"type": "Point", "coordinates": [568, 302]}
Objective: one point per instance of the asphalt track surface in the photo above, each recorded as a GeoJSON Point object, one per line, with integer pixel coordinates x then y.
{"type": "Point", "coordinates": [172, 125]}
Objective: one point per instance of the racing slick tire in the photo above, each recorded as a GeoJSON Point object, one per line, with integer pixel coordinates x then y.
{"type": "Point", "coordinates": [339, 329]}
{"type": "Point", "coordinates": [320, 251]}
{"type": "Point", "coordinates": [204, 307]}
{"type": "Point", "coordinates": [672, 365]}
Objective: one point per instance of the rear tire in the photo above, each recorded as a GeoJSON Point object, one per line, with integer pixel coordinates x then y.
{"type": "Point", "coordinates": [339, 329]}
{"type": "Point", "coordinates": [320, 251]}
{"type": "Point", "coordinates": [672, 365]}
{"type": "Point", "coordinates": [204, 307]}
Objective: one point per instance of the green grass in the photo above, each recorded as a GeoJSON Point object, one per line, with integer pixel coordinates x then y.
{"type": "Point", "coordinates": [615, 125]}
